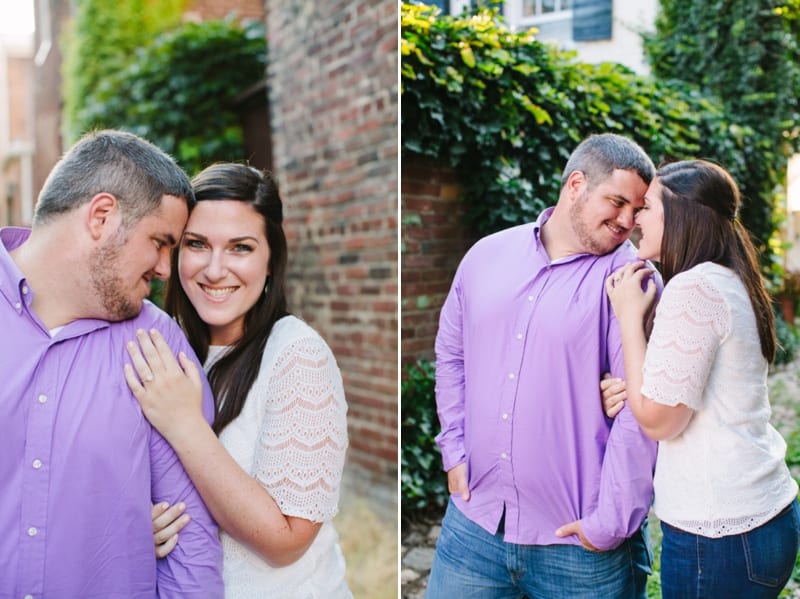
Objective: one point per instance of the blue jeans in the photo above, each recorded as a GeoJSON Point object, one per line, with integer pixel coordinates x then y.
{"type": "Point", "coordinates": [753, 564]}
{"type": "Point", "coordinates": [470, 562]}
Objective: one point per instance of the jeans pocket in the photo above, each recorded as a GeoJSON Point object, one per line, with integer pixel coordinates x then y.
{"type": "Point", "coordinates": [771, 550]}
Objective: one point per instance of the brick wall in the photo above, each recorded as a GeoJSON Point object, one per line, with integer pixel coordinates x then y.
{"type": "Point", "coordinates": [332, 86]}
{"type": "Point", "coordinates": [16, 129]}
{"type": "Point", "coordinates": [47, 88]}
{"type": "Point", "coordinates": [433, 243]}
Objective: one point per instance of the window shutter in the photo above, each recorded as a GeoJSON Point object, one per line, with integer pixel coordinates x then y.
{"type": "Point", "coordinates": [444, 5]}
{"type": "Point", "coordinates": [591, 20]}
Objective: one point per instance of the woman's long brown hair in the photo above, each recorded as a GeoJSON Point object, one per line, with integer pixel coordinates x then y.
{"type": "Point", "coordinates": [232, 376]}
{"type": "Point", "coordinates": [701, 201]}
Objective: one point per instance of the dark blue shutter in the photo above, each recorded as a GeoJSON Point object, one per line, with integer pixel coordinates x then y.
{"type": "Point", "coordinates": [444, 5]}
{"type": "Point", "coordinates": [591, 20]}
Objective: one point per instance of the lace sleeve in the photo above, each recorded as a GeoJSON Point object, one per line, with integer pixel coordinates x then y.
{"type": "Point", "coordinates": [692, 319]}
{"type": "Point", "coordinates": [301, 447]}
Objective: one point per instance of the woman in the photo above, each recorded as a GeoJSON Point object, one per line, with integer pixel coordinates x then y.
{"type": "Point", "coordinates": [726, 500]}
{"type": "Point", "coordinates": [271, 479]}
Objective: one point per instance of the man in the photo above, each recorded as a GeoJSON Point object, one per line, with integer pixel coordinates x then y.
{"type": "Point", "coordinates": [80, 464]}
{"type": "Point", "coordinates": [547, 497]}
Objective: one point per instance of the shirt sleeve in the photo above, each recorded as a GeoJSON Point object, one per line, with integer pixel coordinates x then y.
{"type": "Point", "coordinates": [626, 477]}
{"type": "Point", "coordinates": [300, 454]}
{"type": "Point", "coordinates": [449, 390]}
{"type": "Point", "coordinates": [693, 320]}
{"type": "Point", "coordinates": [194, 567]}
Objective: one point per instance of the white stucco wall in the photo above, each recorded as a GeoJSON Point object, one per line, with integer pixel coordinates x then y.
{"type": "Point", "coordinates": [630, 19]}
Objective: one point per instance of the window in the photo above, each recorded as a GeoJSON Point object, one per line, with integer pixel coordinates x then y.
{"type": "Point", "coordinates": [592, 20]}
{"type": "Point", "coordinates": [563, 21]}
{"type": "Point", "coordinates": [442, 4]}
{"type": "Point", "coordinates": [536, 8]}
{"type": "Point", "coordinates": [552, 18]}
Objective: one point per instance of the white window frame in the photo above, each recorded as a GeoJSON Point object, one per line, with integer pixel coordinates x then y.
{"type": "Point", "coordinates": [512, 11]}
{"type": "Point", "coordinates": [457, 6]}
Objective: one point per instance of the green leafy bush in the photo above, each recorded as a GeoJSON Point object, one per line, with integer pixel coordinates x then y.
{"type": "Point", "coordinates": [745, 53]}
{"type": "Point", "coordinates": [178, 91]}
{"type": "Point", "coordinates": [423, 483]}
{"type": "Point", "coordinates": [100, 41]}
{"type": "Point", "coordinates": [787, 340]}
{"type": "Point", "coordinates": [505, 111]}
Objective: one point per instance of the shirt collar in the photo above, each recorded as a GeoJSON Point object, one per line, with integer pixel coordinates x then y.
{"type": "Point", "coordinates": [544, 216]}
{"type": "Point", "coordinates": [14, 286]}
{"type": "Point", "coordinates": [12, 281]}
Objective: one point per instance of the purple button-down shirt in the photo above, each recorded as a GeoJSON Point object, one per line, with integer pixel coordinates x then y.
{"type": "Point", "coordinates": [521, 347]}
{"type": "Point", "coordinates": [80, 465]}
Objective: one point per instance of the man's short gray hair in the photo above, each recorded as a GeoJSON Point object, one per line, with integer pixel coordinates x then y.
{"type": "Point", "coordinates": [599, 155]}
{"type": "Point", "coordinates": [122, 164]}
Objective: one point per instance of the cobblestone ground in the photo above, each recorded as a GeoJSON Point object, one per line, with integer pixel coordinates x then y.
{"type": "Point", "coordinates": [418, 537]}
{"type": "Point", "coordinates": [417, 547]}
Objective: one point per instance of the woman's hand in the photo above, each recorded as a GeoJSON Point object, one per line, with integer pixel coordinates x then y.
{"type": "Point", "coordinates": [170, 393]}
{"type": "Point", "coordinates": [625, 291]}
{"type": "Point", "coordinates": [168, 521]}
{"type": "Point", "coordinates": [614, 394]}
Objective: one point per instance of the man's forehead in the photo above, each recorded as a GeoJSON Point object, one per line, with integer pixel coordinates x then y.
{"type": "Point", "coordinates": [626, 185]}
{"type": "Point", "coordinates": [169, 218]}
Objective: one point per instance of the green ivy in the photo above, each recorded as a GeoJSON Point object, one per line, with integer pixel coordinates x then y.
{"type": "Point", "coordinates": [178, 91]}
{"type": "Point", "coordinates": [788, 340]}
{"type": "Point", "coordinates": [100, 41]}
{"type": "Point", "coordinates": [423, 484]}
{"type": "Point", "coordinates": [745, 53]}
{"type": "Point", "coordinates": [505, 111]}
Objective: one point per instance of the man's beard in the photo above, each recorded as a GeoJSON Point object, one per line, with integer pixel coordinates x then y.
{"type": "Point", "coordinates": [107, 284]}
{"type": "Point", "coordinates": [590, 243]}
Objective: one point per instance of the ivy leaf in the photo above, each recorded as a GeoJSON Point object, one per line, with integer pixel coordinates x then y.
{"type": "Point", "coordinates": [467, 56]}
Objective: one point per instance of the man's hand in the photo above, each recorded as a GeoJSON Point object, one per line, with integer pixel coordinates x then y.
{"type": "Point", "coordinates": [457, 481]}
{"type": "Point", "coordinates": [574, 528]}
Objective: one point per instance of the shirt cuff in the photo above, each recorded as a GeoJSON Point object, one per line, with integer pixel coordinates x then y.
{"type": "Point", "coordinates": [452, 457]}
{"type": "Point", "coordinates": [598, 535]}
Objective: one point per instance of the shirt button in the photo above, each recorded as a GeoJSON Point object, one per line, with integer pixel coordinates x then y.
{"type": "Point", "coordinates": [28, 597]}
{"type": "Point", "coordinates": [503, 455]}
{"type": "Point", "coordinates": [505, 416]}
{"type": "Point", "coordinates": [24, 290]}
{"type": "Point", "coordinates": [519, 335]}
{"type": "Point", "coordinates": [18, 306]}
{"type": "Point", "coordinates": [42, 398]}
{"type": "Point", "coordinates": [37, 464]}
{"type": "Point", "coordinates": [32, 531]}
{"type": "Point", "coordinates": [511, 375]}
{"type": "Point", "coordinates": [530, 298]}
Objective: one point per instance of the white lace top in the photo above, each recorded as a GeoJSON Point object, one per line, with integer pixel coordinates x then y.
{"type": "Point", "coordinates": [291, 436]}
{"type": "Point", "coordinates": [725, 474]}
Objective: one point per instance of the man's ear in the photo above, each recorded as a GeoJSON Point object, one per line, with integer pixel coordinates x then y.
{"type": "Point", "coordinates": [102, 215]}
{"type": "Point", "coordinates": [576, 182]}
